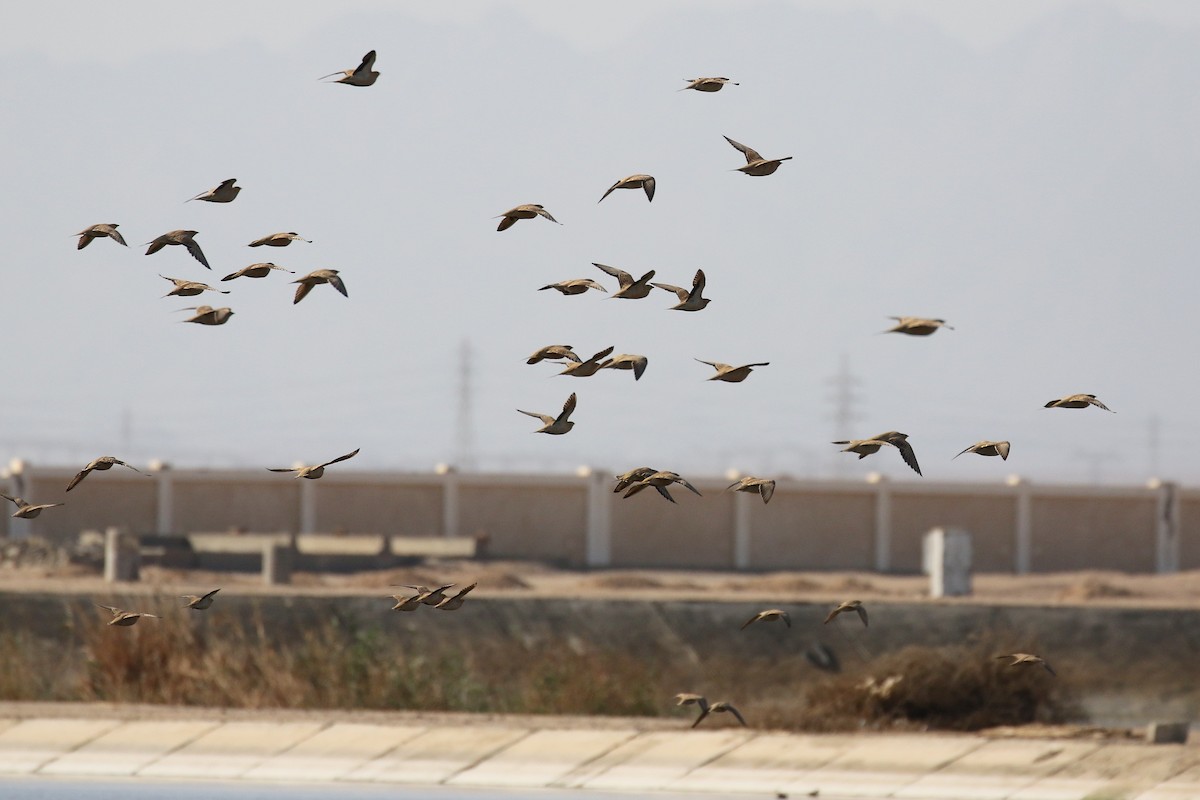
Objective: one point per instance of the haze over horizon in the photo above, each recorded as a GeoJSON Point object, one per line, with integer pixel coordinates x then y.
{"type": "Point", "coordinates": [1027, 174]}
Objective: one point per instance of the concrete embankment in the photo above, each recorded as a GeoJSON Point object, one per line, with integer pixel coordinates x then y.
{"type": "Point", "coordinates": [610, 754]}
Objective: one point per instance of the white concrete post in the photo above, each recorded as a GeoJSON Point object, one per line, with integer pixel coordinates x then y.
{"type": "Point", "coordinates": [741, 529]}
{"type": "Point", "coordinates": [1023, 535]}
{"type": "Point", "coordinates": [946, 559]}
{"type": "Point", "coordinates": [308, 506]}
{"type": "Point", "coordinates": [1166, 527]}
{"type": "Point", "coordinates": [449, 499]}
{"type": "Point", "coordinates": [883, 522]}
{"type": "Point", "coordinates": [598, 525]}
{"type": "Point", "coordinates": [17, 528]}
{"type": "Point", "coordinates": [121, 556]}
{"type": "Point", "coordinates": [164, 509]}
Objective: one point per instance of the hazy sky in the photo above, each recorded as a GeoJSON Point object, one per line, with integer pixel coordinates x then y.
{"type": "Point", "coordinates": [1026, 170]}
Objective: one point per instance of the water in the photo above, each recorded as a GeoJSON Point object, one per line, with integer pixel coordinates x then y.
{"type": "Point", "coordinates": [43, 788]}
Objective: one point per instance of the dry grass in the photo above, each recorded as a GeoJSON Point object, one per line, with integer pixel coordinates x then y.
{"type": "Point", "coordinates": [340, 661]}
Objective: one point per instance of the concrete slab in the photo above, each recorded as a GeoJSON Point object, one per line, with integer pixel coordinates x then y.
{"type": "Point", "coordinates": [1171, 791]}
{"type": "Point", "coordinates": [27, 745]}
{"type": "Point", "coordinates": [852, 783]}
{"type": "Point", "coordinates": [230, 750]}
{"type": "Point", "coordinates": [1133, 763]}
{"type": "Point", "coordinates": [963, 787]}
{"type": "Point", "coordinates": [542, 758]}
{"type": "Point", "coordinates": [333, 752]}
{"type": "Point", "coordinates": [436, 754]}
{"type": "Point", "coordinates": [904, 753]}
{"type": "Point", "coordinates": [1025, 758]}
{"type": "Point", "coordinates": [766, 763]}
{"type": "Point", "coordinates": [127, 748]}
{"type": "Point", "coordinates": [1073, 789]}
{"type": "Point", "coordinates": [654, 760]}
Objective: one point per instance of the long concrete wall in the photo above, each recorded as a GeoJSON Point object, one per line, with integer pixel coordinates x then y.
{"type": "Point", "coordinates": [577, 520]}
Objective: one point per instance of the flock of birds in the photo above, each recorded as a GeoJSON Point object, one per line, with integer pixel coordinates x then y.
{"type": "Point", "coordinates": [628, 288]}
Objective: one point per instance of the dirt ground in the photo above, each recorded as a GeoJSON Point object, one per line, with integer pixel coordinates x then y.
{"type": "Point", "coordinates": [522, 579]}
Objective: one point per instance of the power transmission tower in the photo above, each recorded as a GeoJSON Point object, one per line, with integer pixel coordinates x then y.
{"type": "Point", "coordinates": [464, 429]}
{"type": "Point", "coordinates": [843, 396]}
{"type": "Point", "coordinates": [1153, 433]}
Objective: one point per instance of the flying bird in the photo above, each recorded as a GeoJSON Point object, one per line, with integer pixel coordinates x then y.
{"type": "Point", "coordinates": [207, 315]}
{"type": "Point", "coordinates": [865, 447]}
{"type": "Point", "coordinates": [553, 352]}
{"type": "Point", "coordinates": [707, 84]}
{"type": "Point", "coordinates": [123, 619]}
{"type": "Point", "coordinates": [917, 326]}
{"type": "Point", "coordinates": [629, 288]}
{"type": "Point", "coordinates": [199, 602]}
{"type": "Point", "coordinates": [315, 471]}
{"type": "Point", "coordinates": [406, 602]}
{"type": "Point", "coordinates": [222, 193]}
{"type": "Point", "coordinates": [574, 286]}
{"type": "Point", "coordinates": [644, 182]}
{"type": "Point", "coordinates": [184, 238]}
{"type": "Point", "coordinates": [524, 211]}
{"type": "Point", "coordinates": [731, 374]}
{"type": "Point", "coordinates": [1028, 658]}
{"type": "Point", "coordinates": [705, 707]}
{"type": "Point", "coordinates": [767, 616]}
{"type": "Point", "coordinates": [660, 481]}
{"type": "Point", "coordinates": [282, 239]}
{"type": "Point", "coordinates": [588, 368]}
{"type": "Point", "coordinates": [633, 476]}
{"type": "Point", "coordinates": [316, 278]}
{"type": "Point", "coordinates": [186, 288]}
{"type": "Point", "coordinates": [555, 425]}
{"type": "Point", "coordinates": [755, 163]}
{"type": "Point", "coordinates": [260, 270]}
{"type": "Point", "coordinates": [99, 465]}
{"type": "Point", "coordinates": [28, 510]}
{"type": "Point", "coordinates": [988, 449]}
{"type": "Point", "coordinates": [688, 300]}
{"type": "Point", "coordinates": [454, 602]}
{"type": "Point", "coordinates": [849, 605]}
{"type": "Point", "coordinates": [1077, 401]}
{"type": "Point", "coordinates": [429, 597]}
{"type": "Point", "coordinates": [362, 75]}
{"type": "Point", "coordinates": [765, 487]}
{"type": "Point", "coordinates": [628, 361]}
{"type": "Point", "coordinates": [99, 231]}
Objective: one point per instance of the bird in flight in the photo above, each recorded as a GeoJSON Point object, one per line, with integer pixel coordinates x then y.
{"type": "Point", "coordinates": [865, 447]}
{"type": "Point", "coordinates": [917, 326]}
{"type": "Point", "coordinates": [199, 602]}
{"type": "Point", "coordinates": [588, 368]}
{"type": "Point", "coordinates": [660, 481]}
{"type": "Point", "coordinates": [260, 270]}
{"type": "Point", "coordinates": [765, 487]}
{"type": "Point", "coordinates": [731, 374]}
{"type": "Point", "coordinates": [553, 352]}
{"type": "Point", "coordinates": [362, 75]}
{"type": "Point", "coordinates": [767, 616]}
{"type": "Point", "coordinates": [555, 425]}
{"type": "Point", "coordinates": [28, 510]}
{"type": "Point", "coordinates": [707, 84]}
{"type": "Point", "coordinates": [1028, 658]}
{"type": "Point", "coordinates": [281, 239]}
{"type": "Point", "coordinates": [222, 193]}
{"type": "Point", "coordinates": [184, 238]}
{"type": "Point", "coordinates": [524, 211]}
{"type": "Point", "coordinates": [755, 163]}
{"type": "Point", "coordinates": [688, 300]}
{"type": "Point", "coordinates": [99, 465]}
{"type": "Point", "coordinates": [629, 288]}
{"type": "Point", "coordinates": [123, 619]}
{"type": "Point", "coordinates": [706, 708]}
{"type": "Point", "coordinates": [316, 278]}
{"type": "Point", "coordinates": [849, 605]}
{"type": "Point", "coordinates": [643, 182]}
{"type": "Point", "coordinates": [315, 471]}
{"type": "Point", "coordinates": [207, 315]}
{"type": "Point", "coordinates": [186, 288]}
{"type": "Point", "coordinates": [1077, 401]}
{"type": "Point", "coordinates": [986, 448]}
{"type": "Point", "coordinates": [574, 286]}
{"type": "Point", "coordinates": [99, 231]}
{"type": "Point", "coordinates": [630, 361]}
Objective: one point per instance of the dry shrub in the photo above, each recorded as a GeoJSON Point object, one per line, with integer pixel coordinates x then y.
{"type": "Point", "coordinates": [1093, 588]}
{"type": "Point", "coordinates": [626, 580]}
{"type": "Point", "coordinates": [958, 687]}
{"type": "Point", "coordinates": [337, 663]}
